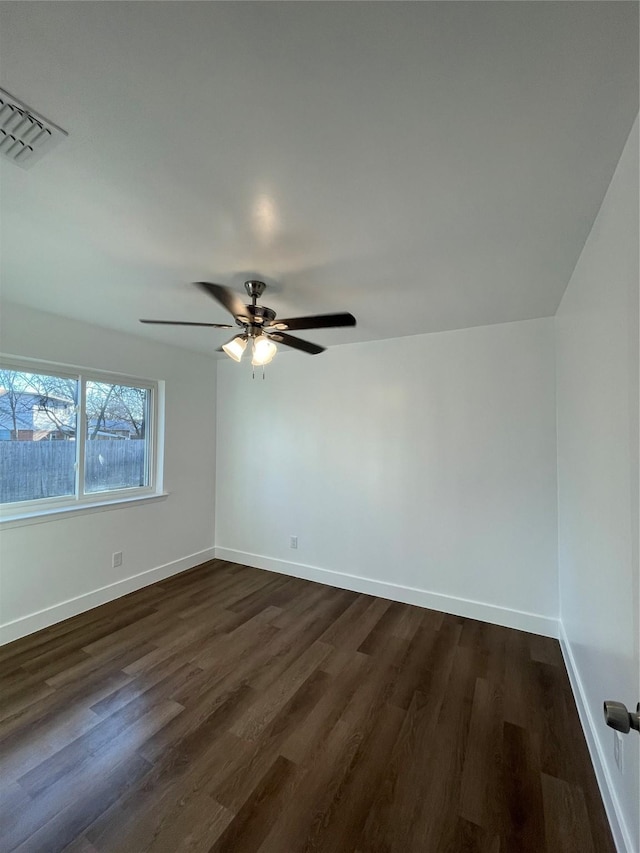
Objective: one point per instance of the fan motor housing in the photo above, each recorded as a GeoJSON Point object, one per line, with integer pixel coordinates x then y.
{"type": "Point", "coordinates": [255, 288]}
{"type": "Point", "coordinates": [260, 315]}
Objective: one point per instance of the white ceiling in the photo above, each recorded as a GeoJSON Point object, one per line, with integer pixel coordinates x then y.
{"type": "Point", "coordinates": [426, 166]}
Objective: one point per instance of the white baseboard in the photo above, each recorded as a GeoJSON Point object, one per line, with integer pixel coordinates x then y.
{"type": "Point", "coordinates": [621, 835]}
{"type": "Point", "coordinates": [534, 623]}
{"type": "Point", "coordinates": [73, 606]}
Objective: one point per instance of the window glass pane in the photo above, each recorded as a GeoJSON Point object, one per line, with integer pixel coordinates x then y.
{"type": "Point", "coordinates": [38, 424]}
{"type": "Point", "coordinates": [116, 447]}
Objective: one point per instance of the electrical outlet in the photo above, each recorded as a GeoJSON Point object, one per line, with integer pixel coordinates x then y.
{"type": "Point", "coordinates": [116, 559]}
{"type": "Point", "coordinates": [293, 541]}
{"type": "Point", "coordinates": [618, 744]}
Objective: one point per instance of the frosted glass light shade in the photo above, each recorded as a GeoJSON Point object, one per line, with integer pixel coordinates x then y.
{"type": "Point", "coordinates": [263, 351]}
{"type": "Point", "coordinates": [236, 347]}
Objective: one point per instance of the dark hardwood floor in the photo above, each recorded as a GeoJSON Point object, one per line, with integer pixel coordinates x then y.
{"type": "Point", "coordinates": [230, 709]}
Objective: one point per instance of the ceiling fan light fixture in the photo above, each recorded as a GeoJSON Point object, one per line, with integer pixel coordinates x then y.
{"type": "Point", "coordinates": [263, 351]}
{"type": "Point", "coordinates": [235, 348]}
{"type": "Point", "coordinates": [258, 323]}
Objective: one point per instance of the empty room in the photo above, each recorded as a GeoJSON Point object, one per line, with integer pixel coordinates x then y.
{"type": "Point", "coordinates": [319, 427]}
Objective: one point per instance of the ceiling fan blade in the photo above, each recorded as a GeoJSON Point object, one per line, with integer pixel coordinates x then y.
{"type": "Point", "coordinates": [318, 321]}
{"type": "Point", "coordinates": [186, 323]}
{"type": "Point", "coordinates": [297, 343]}
{"type": "Point", "coordinates": [227, 298]}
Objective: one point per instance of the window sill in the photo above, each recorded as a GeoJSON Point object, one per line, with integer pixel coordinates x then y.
{"type": "Point", "coordinates": [41, 516]}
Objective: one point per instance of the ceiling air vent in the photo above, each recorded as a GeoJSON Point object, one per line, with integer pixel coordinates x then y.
{"type": "Point", "coordinates": [25, 136]}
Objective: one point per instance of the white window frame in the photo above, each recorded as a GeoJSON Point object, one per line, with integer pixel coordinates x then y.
{"type": "Point", "coordinates": [53, 507]}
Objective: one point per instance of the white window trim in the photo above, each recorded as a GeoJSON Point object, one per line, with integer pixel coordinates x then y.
{"type": "Point", "coordinates": [18, 513]}
{"type": "Point", "coordinates": [41, 516]}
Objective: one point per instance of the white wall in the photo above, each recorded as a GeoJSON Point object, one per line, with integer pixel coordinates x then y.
{"type": "Point", "coordinates": [597, 388]}
{"type": "Point", "coordinates": [42, 566]}
{"type": "Point", "coordinates": [424, 466]}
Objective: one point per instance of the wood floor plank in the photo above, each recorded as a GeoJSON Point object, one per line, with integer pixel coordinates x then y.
{"type": "Point", "coordinates": [98, 663]}
{"type": "Point", "coordinates": [265, 709]}
{"type": "Point", "coordinates": [566, 819]}
{"type": "Point", "coordinates": [211, 715]}
{"type": "Point", "coordinates": [389, 825]}
{"type": "Point", "coordinates": [106, 730]}
{"type": "Point", "coordinates": [312, 599]}
{"type": "Point", "coordinates": [523, 820]}
{"type": "Point", "coordinates": [415, 674]}
{"type": "Point", "coordinates": [435, 825]}
{"type": "Point", "coordinates": [80, 845]}
{"type": "Point", "coordinates": [86, 754]}
{"type": "Point", "coordinates": [78, 769]}
{"type": "Point", "coordinates": [483, 756]}
{"type": "Point", "coordinates": [73, 818]}
{"type": "Point", "coordinates": [470, 838]}
{"type": "Point", "coordinates": [254, 758]}
{"type": "Point", "coordinates": [53, 642]}
{"type": "Point", "coordinates": [232, 709]}
{"type": "Point", "coordinates": [517, 699]}
{"type": "Point", "coordinates": [261, 810]}
{"type": "Point", "coordinates": [311, 732]}
{"type": "Point", "coordinates": [194, 826]}
{"type": "Point", "coordinates": [295, 638]}
{"type": "Point", "coordinates": [22, 700]}
{"type": "Point", "coordinates": [388, 625]}
{"type": "Point", "coordinates": [314, 790]}
{"type": "Point", "coordinates": [343, 820]}
{"type": "Point", "coordinates": [26, 751]}
{"type": "Point", "coordinates": [50, 711]}
{"type": "Point", "coordinates": [172, 674]}
{"type": "Point", "coordinates": [138, 817]}
{"type": "Point", "coordinates": [251, 632]}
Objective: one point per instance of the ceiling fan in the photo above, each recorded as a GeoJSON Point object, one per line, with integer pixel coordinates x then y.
{"type": "Point", "coordinates": [258, 324]}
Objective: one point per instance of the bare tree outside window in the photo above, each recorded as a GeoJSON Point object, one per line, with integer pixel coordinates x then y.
{"type": "Point", "coordinates": [117, 415]}
{"type": "Point", "coordinates": [57, 405]}
{"type": "Point", "coordinates": [33, 405]}
{"type": "Point", "coordinates": [38, 417]}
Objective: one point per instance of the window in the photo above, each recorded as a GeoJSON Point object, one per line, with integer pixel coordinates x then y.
{"type": "Point", "coordinates": [115, 450]}
{"type": "Point", "coordinates": [72, 438]}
